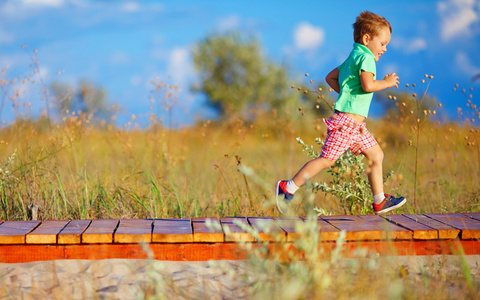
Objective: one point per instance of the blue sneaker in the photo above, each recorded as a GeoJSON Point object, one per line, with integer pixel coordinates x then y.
{"type": "Point", "coordinates": [389, 203]}
{"type": "Point", "coordinates": [282, 202]}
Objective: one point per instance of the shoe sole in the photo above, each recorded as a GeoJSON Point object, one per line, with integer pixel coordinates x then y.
{"type": "Point", "coordinates": [277, 188]}
{"type": "Point", "coordinates": [392, 207]}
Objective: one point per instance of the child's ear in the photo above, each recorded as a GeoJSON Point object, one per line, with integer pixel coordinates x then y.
{"type": "Point", "coordinates": [365, 39]}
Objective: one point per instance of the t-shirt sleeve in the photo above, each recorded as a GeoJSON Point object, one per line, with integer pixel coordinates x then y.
{"type": "Point", "coordinates": [367, 64]}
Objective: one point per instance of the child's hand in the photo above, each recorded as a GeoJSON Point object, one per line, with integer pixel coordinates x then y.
{"type": "Point", "coordinates": [392, 80]}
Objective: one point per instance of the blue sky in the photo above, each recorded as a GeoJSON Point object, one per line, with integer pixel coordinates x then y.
{"type": "Point", "coordinates": [122, 46]}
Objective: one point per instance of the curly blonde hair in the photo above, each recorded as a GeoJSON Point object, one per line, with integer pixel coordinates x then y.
{"type": "Point", "coordinates": [368, 23]}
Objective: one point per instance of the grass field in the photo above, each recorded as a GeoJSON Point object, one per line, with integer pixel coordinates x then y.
{"type": "Point", "coordinates": [73, 169]}
{"type": "Point", "coordinates": [76, 168]}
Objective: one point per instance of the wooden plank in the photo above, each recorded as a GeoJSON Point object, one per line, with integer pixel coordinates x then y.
{"type": "Point", "coordinates": [470, 228]}
{"type": "Point", "coordinates": [390, 230]}
{"type": "Point", "coordinates": [20, 253]}
{"type": "Point", "coordinates": [205, 234]}
{"type": "Point", "coordinates": [327, 231]}
{"type": "Point", "coordinates": [420, 231]}
{"type": "Point", "coordinates": [443, 230]}
{"type": "Point", "coordinates": [46, 233]}
{"type": "Point", "coordinates": [134, 231]}
{"type": "Point", "coordinates": [475, 215]}
{"type": "Point", "coordinates": [267, 228]}
{"type": "Point", "coordinates": [100, 231]}
{"type": "Point", "coordinates": [356, 228]}
{"type": "Point", "coordinates": [289, 225]}
{"type": "Point", "coordinates": [172, 231]}
{"type": "Point", "coordinates": [72, 233]}
{"type": "Point", "coordinates": [234, 232]}
{"type": "Point", "coordinates": [14, 232]}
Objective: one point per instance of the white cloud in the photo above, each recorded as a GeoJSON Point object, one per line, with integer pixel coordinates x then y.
{"type": "Point", "coordinates": [119, 58]}
{"type": "Point", "coordinates": [49, 3]}
{"type": "Point", "coordinates": [457, 17]}
{"type": "Point", "coordinates": [180, 65]}
{"type": "Point", "coordinates": [136, 80]}
{"type": "Point", "coordinates": [409, 46]}
{"type": "Point", "coordinates": [465, 64]}
{"type": "Point", "coordinates": [130, 7]}
{"type": "Point", "coordinates": [229, 23]}
{"type": "Point", "coordinates": [307, 37]}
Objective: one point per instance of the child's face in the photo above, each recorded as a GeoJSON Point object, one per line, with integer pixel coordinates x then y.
{"type": "Point", "coordinates": [378, 43]}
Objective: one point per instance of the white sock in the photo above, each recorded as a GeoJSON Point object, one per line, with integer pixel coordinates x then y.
{"type": "Point", "coordinates": [377, 199]}
{"type": "Point", "coordinates": [291, 187]}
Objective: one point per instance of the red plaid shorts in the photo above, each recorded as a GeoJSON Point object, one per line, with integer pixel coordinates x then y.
{"type": "Point", "coordinates": [345, 133]}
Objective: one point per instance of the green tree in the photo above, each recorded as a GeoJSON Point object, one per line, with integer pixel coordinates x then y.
{"type": "Point", "coordinates": [87, 98]}
{"type": "Point", "coordinates": [237, 78]}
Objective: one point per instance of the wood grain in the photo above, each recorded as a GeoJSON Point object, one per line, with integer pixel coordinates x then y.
{"type": "Point", "coordinates": [327, 231]}
{"type": "Point", "coordinates": [72, 233]}
{"type": "Point", "coordinates": [14, 232]}
{"type": "Point", "coordinates": [172, 231]}
{"type": "Point", "coordinates": [134, 231]}
{"type": "Point", "coordinates": [234, 232]}
{"type": "Point", "coordinates": [267, 228]}
{"type": "Point", "coordinates": [470, 228]}
{"type": "Point", "coordinates": [207, 234]}
{"type": "Point", "coordinates": [46, 233]}
{"type": "Point", "coordinates": [356, 228]}
{"type": "Point", "coordinates": [443, 230]}
{"type": "Point", "coordinates": [390, 230]}
{"type": "Point", "coordinates": [290, 225]}
{"type": "Point", "coordinates": [100, 231]}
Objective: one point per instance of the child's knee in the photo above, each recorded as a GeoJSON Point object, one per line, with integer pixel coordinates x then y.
{"type": "Point", "coordinates": [378, 156]}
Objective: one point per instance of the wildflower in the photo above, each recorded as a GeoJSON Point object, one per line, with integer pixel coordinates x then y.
{"type": "Point", "coordinates": [293, 86]}
{"type": "Point", "coordinates": [305, 91]}
{"type": "Point", "coordinates": [439, 104]}
{"type": "Point", "coordinates": [394, 98]}
{"type": "Point", "coordinates": [407, 85]}
{"type": "Point", "coordinates": [414, 85]}
{"type": "Point", "coordinates": [319, 89]}
{"type": "Point", "coordinates": [456, 84]}
{"type": "Point", "coordinates": [299, 88]}
{"type": "Point", "coordinates": [426, 75]}
{"type": "Point", "coordinates": [311, 81]}
{"type": "Point", "coordinates": [423, 80]}
{"type": "Point", "coordinates": [414, 95]}
{"type": "Point", "coordinates": [431, 76]}
{"type": "Point", "coordinates": [307, 74]}
{"type": "Point", "coordinates": [300, 108]}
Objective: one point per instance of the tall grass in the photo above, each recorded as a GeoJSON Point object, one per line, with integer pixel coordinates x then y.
{"type": "Point", "coordinates": [79, 170]}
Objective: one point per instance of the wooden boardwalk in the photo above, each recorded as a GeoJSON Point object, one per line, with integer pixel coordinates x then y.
{"type": "Point", "coordinates": [194, 240]}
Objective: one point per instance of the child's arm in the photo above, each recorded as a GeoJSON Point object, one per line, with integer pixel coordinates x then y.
{"type": "Point", "coordinates": [332, 80]}
{"type": "Point", "coordinates": [370, 85]}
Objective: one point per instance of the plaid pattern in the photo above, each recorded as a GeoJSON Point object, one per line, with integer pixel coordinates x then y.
{"type": "Point", "coordinates": [345, 133]}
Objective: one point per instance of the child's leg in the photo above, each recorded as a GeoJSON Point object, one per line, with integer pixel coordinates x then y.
{"type": "Point", "coordinates": [311, 169]}
{"type": "Point", "coordinates": [374, 156]}
{"type": "Point", "coordinates": [382, 203]}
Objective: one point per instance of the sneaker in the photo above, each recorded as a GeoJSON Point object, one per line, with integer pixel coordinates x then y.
{"type": "Point", "coordinates": [282, 202]}
{"type": "Point", "coordinates": [388, 204]}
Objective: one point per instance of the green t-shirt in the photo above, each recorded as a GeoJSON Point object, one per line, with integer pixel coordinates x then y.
{"type": "Point", "coordinates": [353, 99]}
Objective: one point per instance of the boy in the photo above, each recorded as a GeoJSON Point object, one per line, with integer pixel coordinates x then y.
{"type": "Point", "coordinates": [355, 81]}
